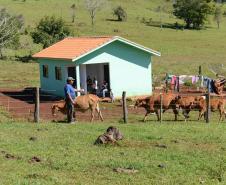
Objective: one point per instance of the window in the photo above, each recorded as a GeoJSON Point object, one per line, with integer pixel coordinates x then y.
{"type": "Point", "coordinates": [58, 74]}
{"type": "Point", "coordinates": [45, 71]}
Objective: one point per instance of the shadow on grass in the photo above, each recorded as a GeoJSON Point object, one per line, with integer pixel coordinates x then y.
{"type": "Point", "coordinates": [114, 20]}
{"type": "Point", "coordinates": [24, 59]}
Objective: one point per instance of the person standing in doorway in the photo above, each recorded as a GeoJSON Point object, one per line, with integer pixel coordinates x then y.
{"type": "Point", "coordinates": [70, 95]}
{"type": "Point", "coordinates": [104, 88]}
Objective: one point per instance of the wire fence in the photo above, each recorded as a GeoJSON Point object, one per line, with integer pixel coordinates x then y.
{"type": "Point", "coordinates": [36, 105]}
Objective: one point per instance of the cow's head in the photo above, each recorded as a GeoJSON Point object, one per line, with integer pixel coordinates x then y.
{"type": "Point", "coordinates": [199, 101]}
{"type": "Point", "coordinates": [54, 109]}
{"type": "Point", "coordinates": [177, 101]}
{"type": "Point", "coordinates": [140, 103]}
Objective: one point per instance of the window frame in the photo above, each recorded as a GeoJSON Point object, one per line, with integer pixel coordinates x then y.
{"type": "Point", "coordinates": [58, 73]}
{"type": "Point", "coordinates": [45, 71]}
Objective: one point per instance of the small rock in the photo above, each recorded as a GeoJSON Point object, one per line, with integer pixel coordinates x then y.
{"type": "Point", "coordinates": [33, 138]}
{"type": "Point", "coordinates": [162, 166]}
{"type": "Point", "coordinates": [125, 170]}
{"type": "Point", "coordinates": [161, 146]}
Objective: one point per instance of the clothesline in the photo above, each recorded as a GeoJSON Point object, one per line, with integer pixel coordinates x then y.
{"type": "Point", "coordinates": [183, 78]}
{"type": "Point", "coordinates": [194, 79]}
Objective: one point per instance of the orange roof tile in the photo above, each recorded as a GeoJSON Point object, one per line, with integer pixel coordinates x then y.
{"type": "Point", "coordinates": [71, 48]}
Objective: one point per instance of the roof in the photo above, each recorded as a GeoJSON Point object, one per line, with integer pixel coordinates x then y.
{"type": "Point", "coordinates": [73, 48]}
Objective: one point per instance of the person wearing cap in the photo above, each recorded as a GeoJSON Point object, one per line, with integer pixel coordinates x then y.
{"type": "Point", "coordinates": [70, 95]}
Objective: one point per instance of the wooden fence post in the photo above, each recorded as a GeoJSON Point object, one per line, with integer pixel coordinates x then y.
{"type": "Point", "coordinates": [200, 75]}
{"type": "Point", "coordinates": [37, 105]}
{"type": "Point", "coordinates": [161, 101]}
{"type": "Point", "coordinates": [125, 111]}
{"type": "Point", "coordinates": [166, 82]}
{"type": "Point", "coordinates": [200, 70]}
{"type": "Point", "coordinates": [8, 104]}
{"type": "Point", "coordinates": [178, 84]}
{"type": "Point", "coordinates": [208, 107]}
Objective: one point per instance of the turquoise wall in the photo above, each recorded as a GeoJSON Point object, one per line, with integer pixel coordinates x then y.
{"type": "Point", "coordinates": [50, 84]}
{"type": "Point", "coordinates": [130, 68]}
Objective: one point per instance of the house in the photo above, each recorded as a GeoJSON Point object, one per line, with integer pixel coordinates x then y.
{"type": "Point", "coordinates": [124, 65]}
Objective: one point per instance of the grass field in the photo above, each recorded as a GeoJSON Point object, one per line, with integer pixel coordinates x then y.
{"type": "Point", "coordinates": [195, 153]}
{"type": "Point", "coordinates": [182, 51]}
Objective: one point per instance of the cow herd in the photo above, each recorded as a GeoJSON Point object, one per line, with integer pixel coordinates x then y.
{"type": "Point", "coordinates": [152, 104]}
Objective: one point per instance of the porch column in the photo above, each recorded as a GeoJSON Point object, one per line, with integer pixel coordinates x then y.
{"type": "Point", "coordinates": [83, 77]}
{"type": "Point", "coordinates": [78, 78]}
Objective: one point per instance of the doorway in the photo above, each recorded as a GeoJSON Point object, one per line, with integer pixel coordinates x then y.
{"type": "Point", "coordinates": [71, 72]}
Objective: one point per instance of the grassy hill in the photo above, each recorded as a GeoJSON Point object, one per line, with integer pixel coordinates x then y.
{"type": "Point", "coordinates": [182, 51]}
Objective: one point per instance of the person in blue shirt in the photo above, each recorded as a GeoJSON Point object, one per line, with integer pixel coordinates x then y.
{"type": "Point", "coordinates": [70, 95]}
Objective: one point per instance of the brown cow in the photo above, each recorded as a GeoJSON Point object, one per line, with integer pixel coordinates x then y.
{"type": "Point", "coordinates": [82, 104]}
{"type": "Point", "coordinates": [152, 104]}
{"type": "Point", "coordinates": [186, 103]}
{"type": "Point", "coordinates": [215, 104]}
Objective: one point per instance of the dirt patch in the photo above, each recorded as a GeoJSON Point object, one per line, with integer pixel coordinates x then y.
{"type": "Point", "coordinates": [35, 160]}
{"type": "Point", "coordinates": [12, 157]}
{"type": "Point", "coordinates": [20, 104]}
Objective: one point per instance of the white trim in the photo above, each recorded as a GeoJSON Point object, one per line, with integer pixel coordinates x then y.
{"type": "Point", "coordinates": [117, 38]}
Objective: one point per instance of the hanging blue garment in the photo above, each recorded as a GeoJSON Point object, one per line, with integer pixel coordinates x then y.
{"type": "Point", "coordinates": [209, 84]}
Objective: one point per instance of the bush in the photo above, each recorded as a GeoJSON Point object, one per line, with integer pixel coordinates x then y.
{"type": "Point", "coordinates": [120, 13]}
{"type": "Point", "coordinates": [50, 30]}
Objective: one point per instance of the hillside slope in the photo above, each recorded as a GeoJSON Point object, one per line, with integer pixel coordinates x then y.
{"type": "Point", "coordinates": [182, 51]}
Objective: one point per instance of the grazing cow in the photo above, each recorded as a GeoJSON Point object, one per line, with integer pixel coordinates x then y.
{"type": "Point", "coordinates": [82, 104]}
{"type": "Point", "coordinates": [152, 104]}
{"type": "Point", "coordinates": [110, 136]}
{"type": "Point", "coordinates": [215, 104]}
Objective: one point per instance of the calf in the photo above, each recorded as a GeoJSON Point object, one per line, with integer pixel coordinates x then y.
{"type": "Point", "coordinates": [82, 104]}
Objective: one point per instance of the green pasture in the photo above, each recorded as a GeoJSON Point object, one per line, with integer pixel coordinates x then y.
{"type": "Point", "coordinates": [192, 153]}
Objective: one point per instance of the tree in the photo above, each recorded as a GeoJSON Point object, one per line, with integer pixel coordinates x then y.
{"type": "Point", "coordinates": [73, 8]}
{"type": "Point", "coordinates": [120, 13]}
{"type": "Point", "coordinates": [93, 6]}
{"type": "Point", "coordinates": [50, 30]}
{"type": "Point", "coordinates": [10, 27]}
{"type": "Point", "coordinates": [218, 15]}
{"type": "Point", "coordinates": [193, 12]}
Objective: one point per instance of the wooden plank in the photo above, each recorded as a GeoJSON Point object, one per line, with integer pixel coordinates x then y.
{"type": "Point", "coordinates": [37, 106]}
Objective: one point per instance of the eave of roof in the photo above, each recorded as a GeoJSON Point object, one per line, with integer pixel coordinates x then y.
{"type": "Point", "coordinates": [105, 42]}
